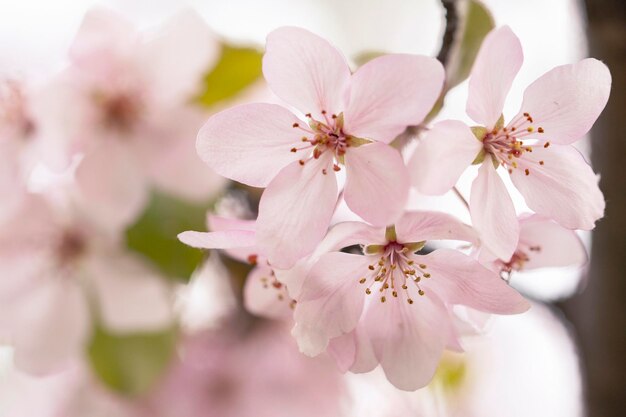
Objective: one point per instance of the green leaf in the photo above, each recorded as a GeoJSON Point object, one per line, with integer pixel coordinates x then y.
{"type": "Point", "coordinates": [131, 364]}
{"type": "Point", "coordinates": [154, 235]}
{"type": "Point", "coordinates": [237, 69]}
{"type": "Point", "coordinates": [477, 22]}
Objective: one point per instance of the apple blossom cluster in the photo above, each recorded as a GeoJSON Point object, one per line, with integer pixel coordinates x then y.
{"type": "Point", "coordinates": [383, 290]}
{"type": "Point", "coordinates": [335, 253]}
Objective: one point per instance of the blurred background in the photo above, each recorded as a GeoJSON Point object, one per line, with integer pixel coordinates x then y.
{"type": "Point", "coordinates": [564, 358]}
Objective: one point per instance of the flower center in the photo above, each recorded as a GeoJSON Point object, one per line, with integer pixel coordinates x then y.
{"type": "Point", "coordinates": [270, 283]}
{"type": "Point", "coordinates": [15, 120]}
{"type": "Point", "coordinates": [326, 136]}
{"type": "Point", "coordinates": [506, 143]}
{"type": "Point", "coordinates": [395, 271]}
{"type": "Point", "coordinates": [517, 261]}
{"type": "Point", "coordinates": [70, 247]}
{"type": "Point", "coordinates": [121, 110]}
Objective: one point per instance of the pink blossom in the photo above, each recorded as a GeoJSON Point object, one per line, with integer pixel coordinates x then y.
{"type": "Point", "coordinates": [350, 119]}
{"type": "Point", "coordinates": [56, 268]}
{"type": "Point", "coordinates": [392, 305]}
{"type": "Point", "coordinates": [533, 147]}
{"type": "Point", "coordinates": [229, 373]}
{"type": "Point", "coordinates": [125, 103]}
{"type": "Point", "coordinates": [542, 243]}
{"type": "Point", "coordinates": [268, 291]}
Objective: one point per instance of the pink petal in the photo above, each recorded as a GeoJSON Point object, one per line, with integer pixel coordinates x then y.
{"type": "Point", "coordinates": [111, 186]}
{"type": "Point", "coordinates": [104, 35]}
{"type": "Point", "coordinates": [343, 350]}
{"type": "Point", "coordinates": [408, 339]}
{"type": "Point", "coordinates": [131, 296]}
{"type": "Point", "coordinates": [170, 158]}
{"type": "Point", "coordinates": [250, 143]}
{"type": "Point", "coordinates": [557, 246]}
{"type": "Point", "coordinates": [493, 213]}
{"type": "Point", "coordinates": [331, 301]}
{"type": "Point", "coordinates": [52, 326]}
{"type": "Point", "coordinates": [364, 357]}
{"type": "Point", "coordinates": [498, 61]}
{"type": "Point", "coordinates": [564, 188]}
{"type": "Point", "coordinates": [295, 211]}
{"type": "Point", "coordinates": [441, 157]}
{"type": "Point", "coordinates": [458, 279]}
{"type": "Point", "coordinates": [226, 224]}
{"type": "Point", "coordinates": [226, 239]}
{"type": "Point", "coordinates": [262, 298]}
{"type": "Point", "coordinates": [390, 93]}
{"type": "Point", "coordinates": [567, 100]}
{"type": "Point", "coordinates": [418, 226]}
{"type": "Point", "coordinates": [306, 71]}
{"type": "Point", "coordinates": [177, 56]}
{"type": "Point", "coordinates": [377, 183]}
{"type": "Point", "coordinates": [220, 223]}
{"type": "Point", "coordinates": [339, 236]}
{"type": "Point", "coordinates": [353, 351]}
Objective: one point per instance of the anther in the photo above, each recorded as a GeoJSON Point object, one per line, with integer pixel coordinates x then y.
{"type": "Point", "coordinates": [371, 267]}
{"type": "Point", "coordinates": [383, 299]}
{"type": "Point", "coordinates": [295, 125]}
{"type": "Point", "coordinates": [324, 171]}
{"type": "Point", "coordinates": [540, 129]}
{"type": "Point", "coordinates": [427, 275]}
{"type": "Point", "coordinates": [409, 301]}
{"type": "Point", "coordinates": [294, 150]}
{"type": "Point", "coordinates": [394, 293]}
{"type": "Point", "coordinates": [368, 291]}
{"type": "Point", "coordinates": [541, 162]}
{"type": "Point", "coordinates": [252, 259]}
{"type": "Point", "coordinates": [336, 168]}
{"type": "Point", "coordinates": [301, 162]}
{"type": "Point", "coordinates": [545, 145]}
{"type": "Point", "coordinates": [530, 129]}
{"type": "Point", "coordinates": [323, 111]}
{"type": "Point", "coordinates": [362, 281]}
{"type": "Point", "coordinates": [308, 115]}
{"type": "Point", "coordinates": [422, 266]}
{"type": "Point", "coordinates": [421, 292]}
{"type": "Point", "coordinates": [527, 171]}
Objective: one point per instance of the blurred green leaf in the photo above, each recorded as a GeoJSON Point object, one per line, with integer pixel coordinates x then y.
{"type": "Point", "coordinates": [476, 24]}
{"type": "Point", "coordinates": [237, 69]}
{"type": "Point", "coordinates": [131, 364]}
{"type": "Point", "coordinates": [154, 235]}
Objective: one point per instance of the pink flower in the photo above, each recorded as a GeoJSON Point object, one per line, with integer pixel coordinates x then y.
{"type": "Point", "coordinates": [392, 305]}
{"type": "Point", "coordinates": [55, 269]}
{"type": "Point", "coordinates": [268, 291]}
{"type": "Point", "coordinates": [125, 103]}
{"type": "Point", "coordinates": [350, 120]}
{"type": "Point", "coordinates": [236, 373]}
{"type": "Point", "coordinates": [542, 244]}
{"type": "Point", "coordinates": [533, 147]}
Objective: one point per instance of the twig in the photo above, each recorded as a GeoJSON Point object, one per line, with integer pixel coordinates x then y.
{"type": "Point", "coordinates": [458, 194]}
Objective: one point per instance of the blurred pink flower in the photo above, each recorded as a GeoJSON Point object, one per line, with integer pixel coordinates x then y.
{"type": "Point", "coordinates": [534, 147]}
{"type": "Point", "coordinates": [350, 120]}
{"type": "Point", "coordinates": [56, 270]}
{"type": "Point", "coordinates": [259, 372]}
{"type": "Point", "coordinates": [17, 131]}
{"type": "Point", "coordinates": [393, 306]}
{"type": "Point", "coordinates": [125, 103]}
{"type": "Point", "coordinates": [542, 243]}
